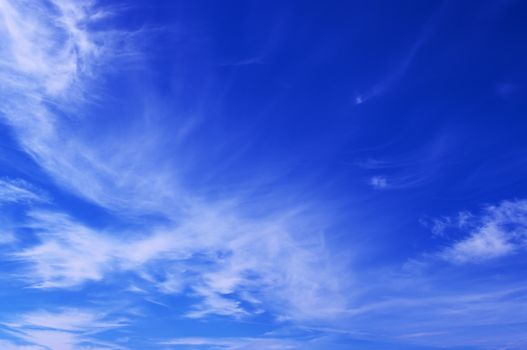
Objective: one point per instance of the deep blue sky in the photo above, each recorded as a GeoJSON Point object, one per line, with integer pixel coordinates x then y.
{"type": "Point", "coordinates": [263, 175]}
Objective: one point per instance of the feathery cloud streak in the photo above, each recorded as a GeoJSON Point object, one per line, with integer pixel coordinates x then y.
{"type": "Point", "coordinates": [67, 329]}
{"type": "Point", "coordinates": [19, 191]}
{"type": "Point", "coordinates": [222, 259]}
{"type": "Point", "coordinates": [213, 252]}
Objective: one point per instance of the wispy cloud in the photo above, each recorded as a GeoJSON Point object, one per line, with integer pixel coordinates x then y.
{"type": "Point", "coordinates": [416, 168]}
{"type": "Point", "coordinates": [210, 251]}
{"type": "Point", "coordinates": [235, 343]}
{"type": "Point", "coordinates": [468, 288]}
{"type": "Point", "coordinates": [50, 57]}
{"type": "Point", "coordinates": [404, 64]}
{"type": "Point", "coordinates": [379, 182]}
{"type": "Point", "coordinates": [221, 256]}
{"type": "Point", "coordinates": [441, 225]}
{"type": "Point", "coordinates": [19, 191]}
{"type": "Point", "coordinates": [16, 191]}
{"type": "Point", "coordinates": [223, 260]}
{"type": "Point", "coordinates": [68, 329]}
{"type": "Point", "coordinates": [439, 308]}
{"type": "Point", "coordinates": [246, 62]}
{"type": "Point", "coordinates": [499, 231]}
{"type": "Point", "coordinates": [7, 345]}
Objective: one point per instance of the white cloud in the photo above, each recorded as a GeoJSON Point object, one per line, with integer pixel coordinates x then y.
{"type": "Point", "coordinates": [45, 47]}
{"type": "Point", "coordinates": [68, 329]}
{"type": "Point", "coordinates": [16, 191]}
{"type": "Point", "coordinates": [68, 320]}
{"type": "Point", "coordinates": [19, 191]}
{"type": "Point", "coordinates": [236, 343]}
{"type": "Point", "coordinates": [407, 170]}
{"type": "Point", "coordinates": [48, 61]}
{"type": "Point", "coordinates": [6, 345]}
{"type": "Point", "coordinates": [488, 242]}
{"type": "Point", "coordinates": [212, 251]}
{"type": "Point", "coordinates": [379, 182]}
{"type": "Point", "coordinates": [440, 226]}
{"type": "Point", "coordinates": [499, 231]}
{"type": "Point", "coordinates": [220, 258]}
{"type": "Point", "coordinates": [69, 254]}
{"type": "Point", "coordinates": [438, 304]}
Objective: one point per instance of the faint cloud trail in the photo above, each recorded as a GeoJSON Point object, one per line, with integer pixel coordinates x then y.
{"type": "Point", "coordinates": [400, 71]}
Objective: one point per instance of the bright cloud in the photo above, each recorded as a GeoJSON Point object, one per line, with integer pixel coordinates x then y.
{"type": "Point", "coordinates": [19, 191]}
{"type": "Point", "coordinates": [213, 252]}
{"type": "Point", "coordinates": [500, 231]}
{"type": "Point", "coordinates": [46, 67]}
{"type": "Point", "coordinates": [235, 343]}
{"type": "Point", "coordinates": [219, 257]}
{"type": "Point", "coordinates": [171, 180]}
{"type": "Point", "coordinates": [68, 329]}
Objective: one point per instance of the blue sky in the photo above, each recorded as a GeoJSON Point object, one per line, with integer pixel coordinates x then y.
{"type": "Point", "coordinates": [232, 175]}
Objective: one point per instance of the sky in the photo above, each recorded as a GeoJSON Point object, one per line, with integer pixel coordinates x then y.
{"type": "Point", "coordinates": [243, 174]}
